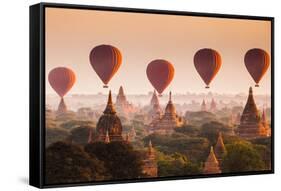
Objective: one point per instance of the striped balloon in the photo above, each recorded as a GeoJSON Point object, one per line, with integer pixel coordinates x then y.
{"type": "Point", "coordinates": [61, 79]}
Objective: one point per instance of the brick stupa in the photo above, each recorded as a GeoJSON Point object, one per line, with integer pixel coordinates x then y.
{"type": "Point", "coordinates": [250, 122]}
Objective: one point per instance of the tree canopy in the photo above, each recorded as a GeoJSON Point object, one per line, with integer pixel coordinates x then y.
{"type": "Point", "coordinates": [69, 163]}
{"type": "Point", "coordinates": [242, 157]}
{"type": "Point", "coordinates": [119, 159]}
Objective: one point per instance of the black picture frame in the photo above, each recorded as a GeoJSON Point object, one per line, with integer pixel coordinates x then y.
{"type": "Point", "coordinates": [37, 90]}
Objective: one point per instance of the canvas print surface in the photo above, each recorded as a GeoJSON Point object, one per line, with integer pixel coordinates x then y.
{"type": "Point", "coordinates": [139, 95]}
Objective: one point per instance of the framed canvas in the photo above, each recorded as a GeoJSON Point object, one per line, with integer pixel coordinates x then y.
{"type": "Point", "coordinates": [122, 95]}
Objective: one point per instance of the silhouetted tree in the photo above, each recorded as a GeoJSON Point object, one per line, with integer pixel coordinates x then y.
{"type": "Point", "coordinates": [55, 134]}
{"type": "Point", "coordinates": [80, 135]}
{"type": "Point", "coordinates": [119, 158]}
{"type": "Point", "coordinates": [69, 163]}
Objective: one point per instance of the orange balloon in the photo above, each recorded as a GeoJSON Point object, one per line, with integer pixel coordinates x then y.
{"type": "Point", "coordinates": [61, 79]}
{"type": "Point", "coordinates": [207, 63]}
{"type": "Point", "coordinates": [160, 73]}
{"type": "Point", "coordinates": [257, 62]}
{"type": "Point", "coordinates": [105, 60]}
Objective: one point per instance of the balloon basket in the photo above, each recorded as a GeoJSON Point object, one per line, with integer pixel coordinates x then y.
{"type": "Point", "coordinates": [105, 86]}
{"type": "Point", "coordinates": [207, 87]}
{"type": "Point", "coordinates": [257, 85]}
{"type": "Point", "coordinates": [160, 95]}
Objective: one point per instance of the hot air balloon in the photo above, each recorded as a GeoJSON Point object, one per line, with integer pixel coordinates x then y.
{"type": "Point", "coordinates": [61, 80]}
{"type": "Point", "coordinates": [105, 60]}
{"type": "Point", "coordinates": [160, 73]}
{"type": "Point", "coordinates": [207, 63]}
{"type": "Point", "coordinates": [257, 62]}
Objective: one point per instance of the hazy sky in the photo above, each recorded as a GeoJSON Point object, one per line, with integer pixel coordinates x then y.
{"type": "Point", "coordinates": [141, 38]}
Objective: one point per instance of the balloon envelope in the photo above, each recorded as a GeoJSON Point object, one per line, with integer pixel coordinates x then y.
{"type": "Point", "coordinates": [61, 79]}
{"type": "Point", "coordinates": [160, 73]}
{"type": "Point", "coordinates": [257, 62]}
{"type": "Point", "coordinates": [105, 60]}
{"type": "Point", "coordinates": [207, 63]}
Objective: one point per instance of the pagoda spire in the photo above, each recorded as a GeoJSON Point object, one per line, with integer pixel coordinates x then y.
{"type": "Point", "coordinates": [150, 149]}
{"type": "Point", "coordinates": [90, 137]}
{"type": "Point", "coordinates": [211, 165]}
{"type": "Point", "coordinates": [154, 100]}
{"type": "Point", "coordinates": [213, 106]}
{"type": "Point", "coordinates": [170, 108]}
{"type": "Point", "coordinates": [107, 139]}
{"type": "Point", "coordinates": [109, 107]}
{"type": "Point", "coordinates": [62, 108]}
{"type": "Point", "coordinates": [265, 123]}
{"type": "Point", "coordinates": [264, 119]}
{"type": "Point", "coordinates": [220, 149]}
{"type": "Point", "coordinates": [170, 96]}
{"type": "Point", "coordinates": [121, 91]}
{"type": "Point", "coordinates": [127, 138]}
{"type": "Point", "coordinates": [203, 106]}
{"type": "Point", "coordinates": [250, 122]}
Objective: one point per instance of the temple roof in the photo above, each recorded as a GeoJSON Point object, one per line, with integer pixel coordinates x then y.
{"type": "Point", "coordinates": [220, 148]}
{"type": "Point", "coordinates": [250, 111]}
{"type": "Point", "coordinates": [212, 157]}
{"type": "Point", "coordinates": [121, 91]}
{"type": "Point", "coordinates": [109, 107]}
{"type": "Point", "coordinates": [213, 104]}
{"type": "Point", "coordinates": [170, 108]}
{"type": "Point", "coordinates": [264, 119]}
{"type": "Point", "coordinates": [62, 108]}
{"type": "Point", "coordinates": [211, 165]}
{"type": "Point", "coordinates": [203, 105]}
{"type": "Point", "coordinates": [154, 100]}
{"type": "Point", "coordinates": [109, 123]}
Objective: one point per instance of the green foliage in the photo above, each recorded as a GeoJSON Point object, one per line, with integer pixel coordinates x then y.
{"type": "Point", "coordinates": [71, 124]}
{"type": "Point", "coordinates": [69, 163]}
{"type": "Point", "coordinates": [189, 130]}
{"type": "Point", "coordinates": [242, 157]}
{"type": "Point", "coordinates": [175, 165]}
{"type": "Point", "coordinates": [80, 135]}
{"type": "Point", "coordinates": [55, 134]}
{"type": "Point", "coordinates": [211, 130]}
{"type": "Point", "coordinates": [200, 117]}
{"type": "Point", "coordinates": [120, 160]}
{"type": "Point", "coordinates": [70, 115]}
{"type": "Point", "coordinates": [193, 147]}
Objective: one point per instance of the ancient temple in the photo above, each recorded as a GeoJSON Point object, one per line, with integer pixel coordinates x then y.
{"type": "Point", "coordinates": [213, 106]}
{"type": "Point", "coordinates": [90, 136]}
{"type": "Point", "coordinates": [107, 139]}
{"type": "Point", "coordinates": [220, 149]}
{"type": "Point", "coordinates": [211, 166]}
{"type": "Point", "coordinates": [154, 100]}
{"type": "Point", "coordinates": [238, 117]}
{"type": "Point", "coordinates": [265, 123]}
{"type": "Point", "coordinates": [203, 106]}
{"type": "Point", "coordinates": [123, 107]}
{"type": "Point", "coordinates": [109, 127]}
{"type": "Point", "coordinates": [250, 123]}
{"type": "Point", "coordinates": [150, 168]}
{"type": "Point", "coordinates": [166, 123]}
{"type": "Point", "coordinates": [62, 107]}
{"type": "Point", "coordinates": [132, 134]}
{"type": "Point", "coordinates": [155, 112]}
